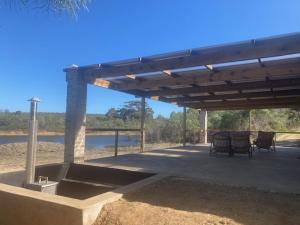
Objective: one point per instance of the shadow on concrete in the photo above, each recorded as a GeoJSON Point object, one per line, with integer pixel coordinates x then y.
{"type": "Point", "coordinates": [289, 143]}
{"type": "Point", "coordinates": [273, 171]}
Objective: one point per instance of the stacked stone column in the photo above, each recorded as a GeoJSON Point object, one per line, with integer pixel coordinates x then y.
{"type": "Point", "coordinates": [75, 121]}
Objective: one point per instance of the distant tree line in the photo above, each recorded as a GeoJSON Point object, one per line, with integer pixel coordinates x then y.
{"type": "Point", "coordinates": [162, 129]}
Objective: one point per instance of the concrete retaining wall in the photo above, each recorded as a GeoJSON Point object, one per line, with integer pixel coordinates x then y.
{"type": "Point", "coordinates": [17, 178]}
{"type": "Point", "coordinates": [20, 206]}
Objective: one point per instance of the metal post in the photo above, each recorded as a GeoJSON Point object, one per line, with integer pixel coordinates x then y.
{"type": "Point", "coordinates": [143, 112]}
{"type": "Point", "coordinates": [116, 142]}
{"type": "Point", "coordinates": [32, 141]}
{"type": "Point", "coordinates": [184, 126]}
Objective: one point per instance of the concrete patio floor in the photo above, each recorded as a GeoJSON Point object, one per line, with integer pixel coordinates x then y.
{"type": "Point", "coordinates": [271, 171]}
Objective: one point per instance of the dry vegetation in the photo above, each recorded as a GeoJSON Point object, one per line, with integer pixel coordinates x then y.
{"type": "Point", "coordinates": [12, 156]}
{"type": "Point", "coordinates": [179, 201]}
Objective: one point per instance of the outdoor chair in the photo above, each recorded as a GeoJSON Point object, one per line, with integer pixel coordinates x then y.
{"type": "Point", "coordinates": [240, 143]}
{"type": "Point", "coordinates": [265, 140]}
{"type": "Point", "coordinates": [220, 143]}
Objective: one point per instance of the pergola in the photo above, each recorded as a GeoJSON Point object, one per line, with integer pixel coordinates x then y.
{"type": "Point", "coordinates": [253, 74]}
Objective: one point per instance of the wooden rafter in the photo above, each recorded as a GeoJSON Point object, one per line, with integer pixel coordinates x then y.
{"type": "Point", "coordinates": [252, 49]}
{"type": "Point", "coordinates": [275, 106]}
{"type": "Point", "coordinates": [210, 77]}
{"type": "Point", "coordinates": [228, 87]}
{"type": "Point", "coordinates": [246, 103]}
{"type": "Point", "coordinates": [235, 72]}
{"type": "Point", "coordinates": [263, 94]}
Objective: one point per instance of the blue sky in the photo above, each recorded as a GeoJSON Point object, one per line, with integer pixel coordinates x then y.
{"type": "Point", "coordinates": [35, 46]}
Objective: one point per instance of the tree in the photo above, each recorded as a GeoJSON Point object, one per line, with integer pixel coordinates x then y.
{"type": "Point", "coordinates": [57, 6]}
{"type": "Point", "coordinates": [132, 111]}
{"type": "Point", "coordinates": [18, 112]}
{"type": "Point", "coordinates": [112, 113]}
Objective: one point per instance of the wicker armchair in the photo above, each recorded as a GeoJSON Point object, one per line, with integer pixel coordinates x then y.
{"type": "Point", "coordinates": [265, 140]}
{"type": "Point", "coordinates": [220, 143]}
{"type": "Point", "coordinates": [240, 143]}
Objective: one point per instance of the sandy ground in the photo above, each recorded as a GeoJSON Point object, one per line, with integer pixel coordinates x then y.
{"type": "Point", "coordinates": [288, 140]}
{"type": "Point", "coordinates": [13, 156]}
{"type": "Point", "coordinates": [182, 201]}
{"type": "Point", "coordinates": [174, 201]}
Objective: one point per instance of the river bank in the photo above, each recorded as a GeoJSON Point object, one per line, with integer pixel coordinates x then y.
{"type": "Point", "coordinates": [61, 133]}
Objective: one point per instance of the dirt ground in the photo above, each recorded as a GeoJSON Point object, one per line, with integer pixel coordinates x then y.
{"type": "Point", "coordinates": [13, 156]}
{"type": "Point", "coordinates": [182, 201]}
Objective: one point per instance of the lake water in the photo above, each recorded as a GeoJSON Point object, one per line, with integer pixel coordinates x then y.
{"type": "Point", "coordinates": [92, 141]}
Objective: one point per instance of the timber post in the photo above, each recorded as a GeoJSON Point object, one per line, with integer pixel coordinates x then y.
{"type": "Point", "coordinates": [116, 142]}
{"type": "Point", "coordinates": [143, 112]}
{"type": "Point", "coordinates": [184, 127]}
{"type": "Point", "coordinates": [203, 126]}
{"type": "Point", "coordinates": [250, 119]}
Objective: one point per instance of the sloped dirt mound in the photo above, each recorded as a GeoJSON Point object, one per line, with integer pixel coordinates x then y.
{"type": "Point", "coordinates": [178, 201]}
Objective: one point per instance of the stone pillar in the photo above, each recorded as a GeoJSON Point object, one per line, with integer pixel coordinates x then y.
{"type": "Point", "coordinates": [203, 126]}
{"type": "Point", "coordinates": [75, 120]}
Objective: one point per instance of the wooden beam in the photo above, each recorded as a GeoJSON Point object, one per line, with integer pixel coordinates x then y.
{"type": "Point", "coordinates": [101, 83]}
{"type": "Point", "coordinates": [277, 106]}
{"type": "Point", "coordinates": [270, 94]}
{"type": "Point", "coordinates": [281, 83]}
{"type": "Point", "coordinates": [225, 87]}
{"type": "Point", "coordinates": [251, 49]}
{"type": "Point", "coordinates": [154, 97]}
{"type": "Point", "coordinates": [283, 67]}
{"type": "Point", "coordinates": [245, 103]}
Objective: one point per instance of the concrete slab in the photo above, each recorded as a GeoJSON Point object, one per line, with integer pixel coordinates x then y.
{"type": "Point", "coordinates": [272, 171]}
